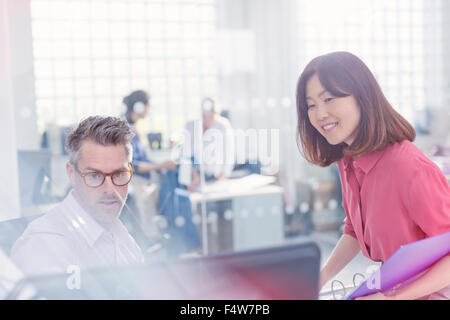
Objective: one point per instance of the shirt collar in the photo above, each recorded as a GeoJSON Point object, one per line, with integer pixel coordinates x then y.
{"type": "Point", "coordinates": [82, 222]}
{"type": "Point", "coordinates": [365, 162]}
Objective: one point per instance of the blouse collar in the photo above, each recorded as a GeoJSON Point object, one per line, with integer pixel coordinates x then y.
{"type": "Point", "coordinates": [365, 162]}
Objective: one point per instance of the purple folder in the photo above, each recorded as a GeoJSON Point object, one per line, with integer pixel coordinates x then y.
{"type": "Point", "coordinates": [408, 261]}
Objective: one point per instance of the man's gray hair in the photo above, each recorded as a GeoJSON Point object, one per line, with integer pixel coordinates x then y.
{"type": "Point", "coordinates": [106, 131]}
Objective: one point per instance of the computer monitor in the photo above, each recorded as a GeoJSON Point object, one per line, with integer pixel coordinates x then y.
{"type": "Point", "coordinates": [155, 140]}
{"type": "Point", "coordinates": [288, 272]}
{"type": "Point", "coordinates": [34, 176]}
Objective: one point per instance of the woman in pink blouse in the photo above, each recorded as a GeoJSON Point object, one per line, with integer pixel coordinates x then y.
{"type": "Point", "coordinates": [392, 193]}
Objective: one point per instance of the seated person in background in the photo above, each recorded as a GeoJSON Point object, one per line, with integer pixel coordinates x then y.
{"type": "Point", "coordinates": [143, 194]}
{"type": "Point", "coordinates": [84, 230]}
{"type": "Point", "coordinates": [218, 145]}
{"type": "Point", "coordinates": [138, 106]}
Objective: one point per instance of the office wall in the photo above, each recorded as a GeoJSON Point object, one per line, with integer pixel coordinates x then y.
{"type": "Point", "coordinates": [262, 94]}
{"type": "Point", "coordinates": [442, 113]}
{"type": "Point", "coordinates": [9, 184]}
{"type": "Point", "coordinates": [436, 75]}
{"type": "Point", "coordinates": [21, 68]}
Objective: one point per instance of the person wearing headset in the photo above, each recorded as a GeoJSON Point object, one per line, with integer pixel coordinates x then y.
{"type": "Point", "coordinates": [143, 193]}
{"type": "Point", "coordinates": [137, 107]}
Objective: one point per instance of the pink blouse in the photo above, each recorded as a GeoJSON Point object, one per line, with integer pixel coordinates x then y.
{"type": "Point", "coordinates": [393, 197]}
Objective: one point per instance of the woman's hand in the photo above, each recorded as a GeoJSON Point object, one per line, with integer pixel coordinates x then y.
{"type": "Point", "coordinates": [323, 280]}
{"type": "Point", "coordinates": [346, 249]}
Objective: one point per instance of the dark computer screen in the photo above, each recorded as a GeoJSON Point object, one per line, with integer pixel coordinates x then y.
{"type": "Point", "coordinates": [289, 272]}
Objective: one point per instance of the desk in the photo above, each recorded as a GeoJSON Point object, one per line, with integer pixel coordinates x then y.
{"type": "Point", "coordinates": [197, 197]}
{"type": "Point", "coordinates": [159, 155]}
{"type": "Point", "coordinates": [251, 218]}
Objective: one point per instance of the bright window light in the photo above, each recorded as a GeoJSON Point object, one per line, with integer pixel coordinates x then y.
{"type": "Point", "coordinates": [89, 54]}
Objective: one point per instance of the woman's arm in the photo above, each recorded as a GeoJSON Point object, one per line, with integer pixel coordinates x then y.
{"type": "Point", "coordinates": [144, 167]}
{"type": "Point", "coordinates": [437, 278]}
{"type": "Point", "coordinates": [346, 249]}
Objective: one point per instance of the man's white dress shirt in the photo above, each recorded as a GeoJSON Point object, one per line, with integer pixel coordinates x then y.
{"type": "Point", "coordinates": [68, 236]}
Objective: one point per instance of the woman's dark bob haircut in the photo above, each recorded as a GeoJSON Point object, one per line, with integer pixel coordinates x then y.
{"type": "Point", "coordinates": [343, 74]}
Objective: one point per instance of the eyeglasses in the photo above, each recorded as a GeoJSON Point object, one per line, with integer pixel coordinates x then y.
{"type": "Point", "coordinates": [95, 179]}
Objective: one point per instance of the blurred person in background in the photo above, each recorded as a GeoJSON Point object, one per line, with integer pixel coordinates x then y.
{"type": "Point", "coordinates": [143, 200]}
{"type": "Point", "coordinates": [165, 201]}
{"type": "Point", "coordinates": [137, 107]}
{"type": "Point", "coordinates": [218, 144]}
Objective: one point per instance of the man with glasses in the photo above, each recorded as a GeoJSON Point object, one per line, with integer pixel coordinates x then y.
{"type": "Point", "coordinates": [84, 230]}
